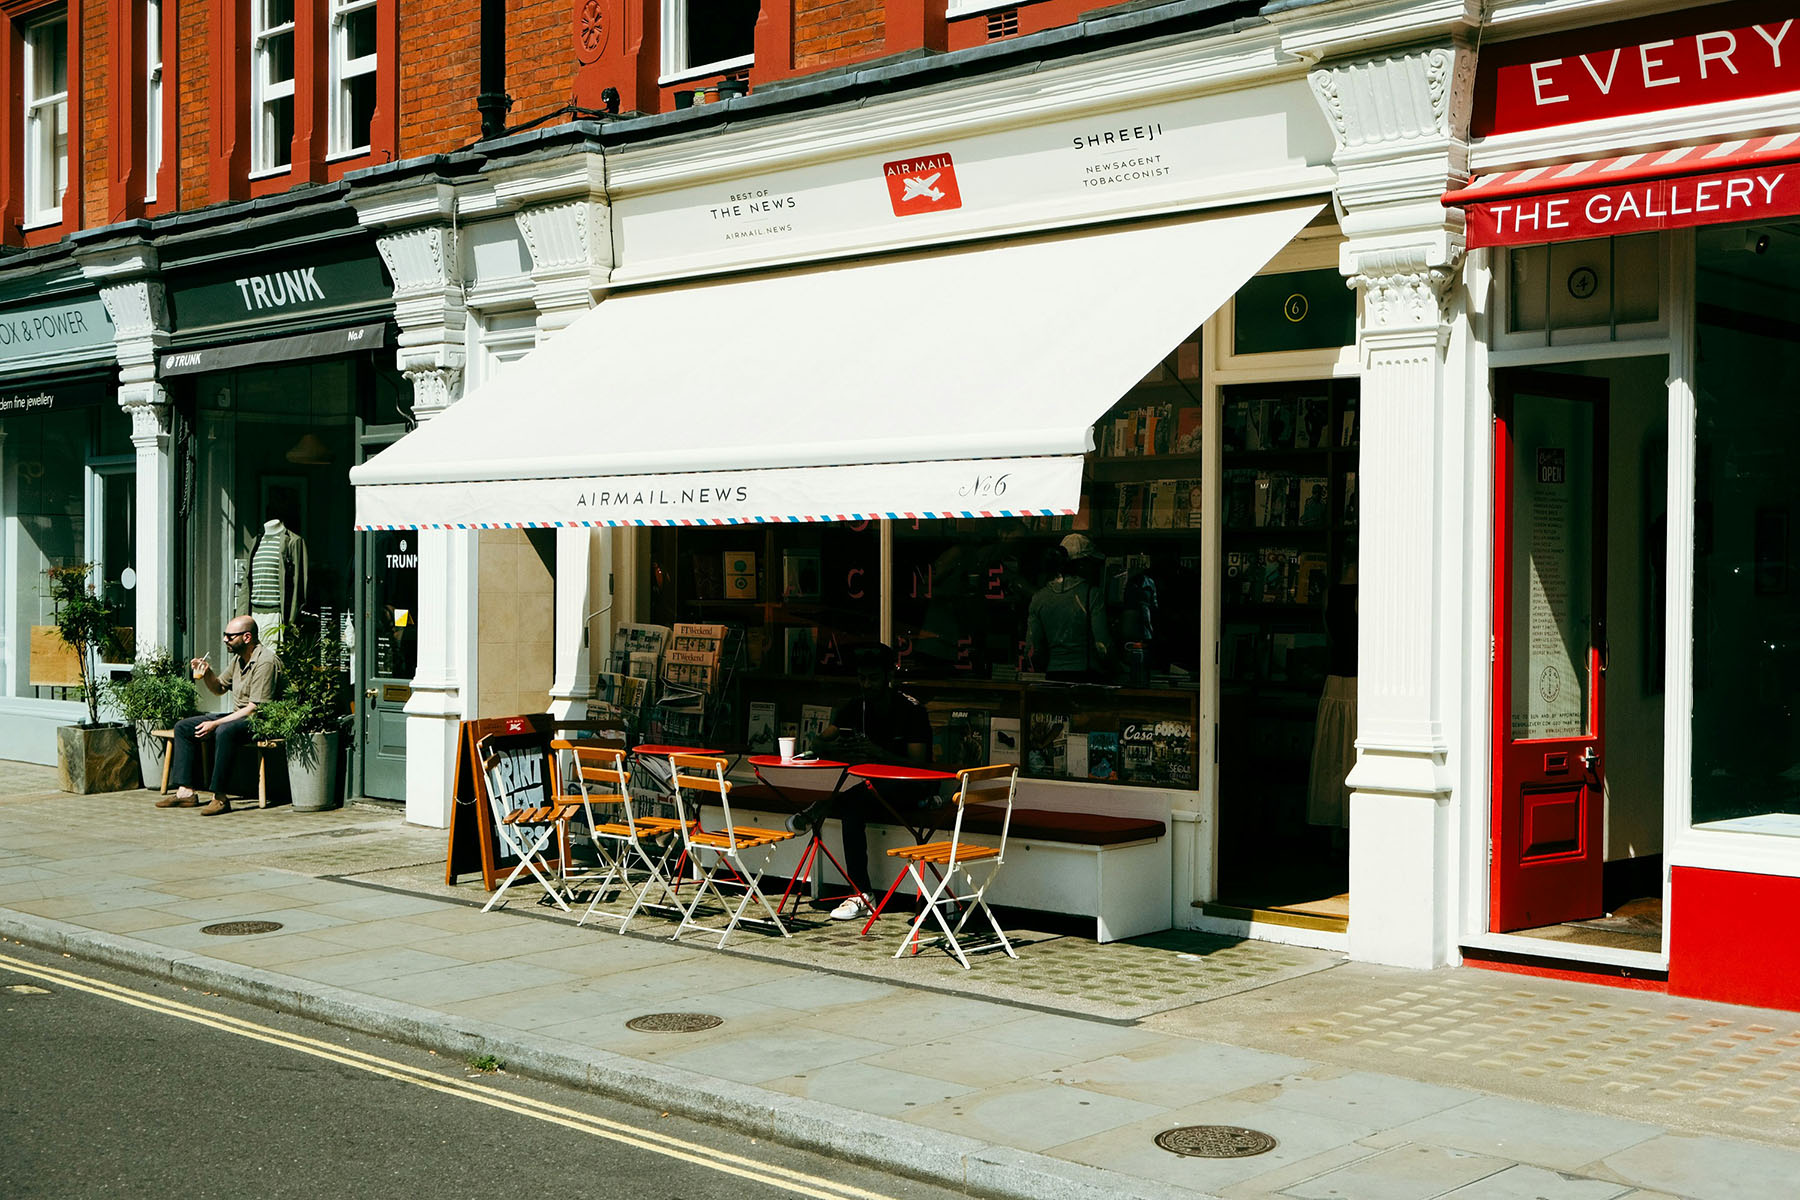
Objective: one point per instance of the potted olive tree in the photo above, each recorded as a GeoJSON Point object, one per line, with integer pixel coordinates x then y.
{"type": "Point", "coordinates": [92, 756]}
{"type": "Point", "coordinates": [309, 713]}
{"type": "Point", "coordinates": [158, 692]}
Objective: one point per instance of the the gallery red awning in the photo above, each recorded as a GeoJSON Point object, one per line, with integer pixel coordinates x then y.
{"type": "Point", "coordinates": [1749, 179]}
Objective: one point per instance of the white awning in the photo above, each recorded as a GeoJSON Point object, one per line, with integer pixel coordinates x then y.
{"type": "Point", "coordinates": [958, 383]}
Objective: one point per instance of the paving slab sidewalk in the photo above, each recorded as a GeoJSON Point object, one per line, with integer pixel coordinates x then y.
{"type": "Point", "coordinates": [1374, 1083]}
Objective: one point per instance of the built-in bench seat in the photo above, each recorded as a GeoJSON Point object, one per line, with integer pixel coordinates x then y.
{"type": "Point", "coordinates": [1115, 869]}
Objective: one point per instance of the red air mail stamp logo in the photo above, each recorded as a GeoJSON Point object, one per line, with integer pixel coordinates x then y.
{"type": "Point", "coordinates": [921, 185]}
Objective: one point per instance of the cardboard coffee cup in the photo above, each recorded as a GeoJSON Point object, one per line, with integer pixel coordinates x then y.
{"type": "Point", "coordinates": [787, 749]}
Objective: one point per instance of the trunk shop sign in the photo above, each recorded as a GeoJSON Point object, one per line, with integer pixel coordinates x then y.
{"type": "Point", "coordinates": [1729, 52]}
{"type": "Point", "coordinates": [922, 185]}
{"type": "Point", "coordinates": [53, 328]}
{"type": "Point", "coordinates": [1125, 156]}
{"type": "Point", "coordinates": [1637, 207]}
{"type": "Point", "coordinates": [336, 275]}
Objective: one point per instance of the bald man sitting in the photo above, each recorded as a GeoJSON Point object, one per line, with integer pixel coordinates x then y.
{"type": "Point", "coordinates": [250, 677]}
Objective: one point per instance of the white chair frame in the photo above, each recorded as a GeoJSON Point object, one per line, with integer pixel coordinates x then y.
{"type": "Point", "coordinates": [622, 847]}
{"type": "Point", "coordinates": [713, 851]}
{"type": "Point", "coordinates": [525, 840]}
{"type": "Point", "coordinates": [942, 895]}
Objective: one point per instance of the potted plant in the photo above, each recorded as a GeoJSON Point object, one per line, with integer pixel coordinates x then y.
{"type": "Point", "coordinates": [309, 713]}
{"type": "Point", "coordinates": [158, 692]}
{"type": "Point", "coordinates": [92, 756]}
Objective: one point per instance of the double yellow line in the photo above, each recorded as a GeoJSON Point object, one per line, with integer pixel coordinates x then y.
{"type": "Point", "coordinates": [464, 1089]}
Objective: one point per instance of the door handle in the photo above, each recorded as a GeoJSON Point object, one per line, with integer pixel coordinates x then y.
{"type": "Point", "coordinates": [1588, 758]}
{"type": "Point", "coordinates": [371, 693]}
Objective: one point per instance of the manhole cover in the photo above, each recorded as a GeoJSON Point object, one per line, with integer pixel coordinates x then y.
{"type": "Point", "coordinates": [1214, 1141]}
{"type": "Point", "coordinates": [240, 928]}
{"type": "Point", "coordinates": [673, 1022]}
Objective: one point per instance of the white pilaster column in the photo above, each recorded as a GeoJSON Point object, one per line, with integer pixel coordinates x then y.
{"type": "Point", "coordinates": [129, 286]}
{"type": "Point", "coordinates": [419, 244]}
{"type": "Point", "coordinates": [570, 242]}
{"type": "Point", "coordinates": [1399, 123]}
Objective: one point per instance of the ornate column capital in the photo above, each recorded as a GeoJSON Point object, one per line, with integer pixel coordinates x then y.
{"type": "Point", "coordinates": [570, 242]}
{"type": "Point", "coordinates": [1404, 291]}
{"type": "Point", "coordinates": [425, 262]}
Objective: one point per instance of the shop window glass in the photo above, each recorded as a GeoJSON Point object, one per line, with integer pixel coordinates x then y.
{"type": "Point", "coordinates": [113, 549]}
{"type": "Point", "coordinates": [272, 83]}
{"type": "Point", "coordinates": [1746, 652]}
{"type": "Point", "coordinates": [703, 35]}
{"type": "Point", "coordinates": [961, 602]}
{"type": "Point", "coordinates": [46, 108]}
{"type": "Point", "coordinates": [1585, 285]}
{"type": "Point", "coordinates": [46, 525]}
{"type": "Point", "coordinates": [153, 95]}
{"type": "Point", "coordinates": [353, 63]}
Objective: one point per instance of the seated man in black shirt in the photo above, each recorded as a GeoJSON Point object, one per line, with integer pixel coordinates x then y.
{"type": "Point", "coordinates": [882, 724]}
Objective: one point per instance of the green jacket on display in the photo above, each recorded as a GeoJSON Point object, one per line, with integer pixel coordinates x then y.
{"type": "Point", "coordinates": [276, 578]}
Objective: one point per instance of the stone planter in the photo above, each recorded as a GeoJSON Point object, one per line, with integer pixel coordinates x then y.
{"type": "Point", "coordinates": [312, 772]}
{"type": "Point", "coordinates": [99, 758]}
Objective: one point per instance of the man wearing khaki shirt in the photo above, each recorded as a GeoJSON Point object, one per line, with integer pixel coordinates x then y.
{"type": "Point", "coordinates": [250, 677]}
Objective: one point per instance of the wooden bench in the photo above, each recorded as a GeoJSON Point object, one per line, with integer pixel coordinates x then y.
{"type": "Point", "coordinates": [266, 749]}
{"type": "Point", "coordinates": [1115, 869]}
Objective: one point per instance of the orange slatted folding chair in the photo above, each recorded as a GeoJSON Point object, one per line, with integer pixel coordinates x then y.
{"type": "Point", "coordinates": [721, 856]}
{"type": "Point", "coordinates": [526, 830]}
{"type": "Point", "coordinates": [957, 859]}
{"type": "Point", "coordinates": [622, 840]}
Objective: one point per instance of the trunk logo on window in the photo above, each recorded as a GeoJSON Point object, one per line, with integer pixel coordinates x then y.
{"type": "Point", "coordinates": [918, 185]}
{"type": "Point", "coordinates": [1551, 467]}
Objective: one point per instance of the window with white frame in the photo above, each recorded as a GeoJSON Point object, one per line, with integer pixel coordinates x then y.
{"type": "Point", "coordinates": [153, 96]}
{"type": "Point", "coordinates": [701, 37]}
{"type": "Point", "coordinates": [46, 118]}
{"type": "Point", "coordinates": [353, 61]}
{"type": "Point", "coordinates": [271, 84]}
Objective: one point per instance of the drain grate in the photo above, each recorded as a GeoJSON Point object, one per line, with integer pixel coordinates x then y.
{"type": "Point", "coordinates": [240, 928]}
{"type": "Point", "coordinates": [1214, 1141]}
{"type": "Point", "coordinates": [673, 1022]}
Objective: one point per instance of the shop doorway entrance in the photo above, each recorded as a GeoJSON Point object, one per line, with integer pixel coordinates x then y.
{"type": "Point", "coordinates": [387, 629]}
{"type": "Point", "coordinates": [1550, 651]}
{"type": "Point", "coordinates": [1576, 832]}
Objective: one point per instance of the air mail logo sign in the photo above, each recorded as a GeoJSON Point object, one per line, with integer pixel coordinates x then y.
{"type": "Point", "coordinates": [922, 185]}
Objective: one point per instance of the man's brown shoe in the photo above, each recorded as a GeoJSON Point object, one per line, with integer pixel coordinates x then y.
{"type": "Point", "coordinates": [219, 805]}
{"type": "Point", "coordinates": [174, 801]}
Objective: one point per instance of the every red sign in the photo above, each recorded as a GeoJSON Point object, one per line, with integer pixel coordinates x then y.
{"type": "Point", "coordinates": [1724, 52]}
{"type": "Point", "coordinates": [1749, 195]}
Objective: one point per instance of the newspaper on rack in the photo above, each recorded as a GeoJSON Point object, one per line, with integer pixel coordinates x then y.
{"type": "Point", "coordinates": [637, 650]}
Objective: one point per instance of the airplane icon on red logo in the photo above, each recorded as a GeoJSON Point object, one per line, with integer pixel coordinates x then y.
{"type": "Point", "coordinates": [919, 185]}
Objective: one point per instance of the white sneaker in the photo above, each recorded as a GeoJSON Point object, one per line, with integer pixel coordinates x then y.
{"type": "Point", "coordinates": [853, 909]}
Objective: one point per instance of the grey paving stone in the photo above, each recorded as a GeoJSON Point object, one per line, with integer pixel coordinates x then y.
{"type": "Point", "coordinates": [859, 1086]}
{"type": "Point", "coordinates": [1033, 1115]}
{"type": "Point", "coordinates": [1535, 1183]}
{"type": "Point", "coordinates": [760, 1056]}
{"type": "Point", "coordinates": [1362, 1095]}
{"type": "Point", "coordinates": [1537, 1134]}
{"type": "Point", "coordinates": [1708, 1168]}
{"type": "Point", "coordinates": [1403, 1173]}
{"type": "Point", "coordinates": [363, 966]}
{"type": "Point", "coordinates": [976, 1059]}
{"type": "Point", "coordinates": [449, 985]}
{"type": "Point", "coordinates": [1175, 1073]}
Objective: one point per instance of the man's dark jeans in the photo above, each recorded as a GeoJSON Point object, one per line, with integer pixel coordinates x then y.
{"type": "Point", "coordinates": [227, 740]}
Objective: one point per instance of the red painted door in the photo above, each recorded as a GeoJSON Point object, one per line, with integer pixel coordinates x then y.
{"type": "Point", "coordinates": [1549, 654]}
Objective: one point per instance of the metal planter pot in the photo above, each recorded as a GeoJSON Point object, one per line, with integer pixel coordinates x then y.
{"type": "Point", "coordinates": [312, 773]}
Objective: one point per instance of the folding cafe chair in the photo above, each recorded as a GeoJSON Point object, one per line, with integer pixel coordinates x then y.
{"type": "Point", "coordinates": [600, 775]}
{"type": "Point", "coordinates": [526, 829]}
{"type": "Point", "coordinates": [720, 856]}
{"type": "Point", "coordinates": [957, 859]}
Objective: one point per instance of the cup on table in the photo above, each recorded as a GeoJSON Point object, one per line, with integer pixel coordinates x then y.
{"type": "Point", "coordinates": [787, 748]}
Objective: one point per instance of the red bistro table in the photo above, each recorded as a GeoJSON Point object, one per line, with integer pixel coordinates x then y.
{"type": "Point", "coordinates": [878, 774]}
{"type": "Point", "coordinates": [815, 844]}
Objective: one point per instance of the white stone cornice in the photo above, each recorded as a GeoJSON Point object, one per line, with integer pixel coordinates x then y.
{"type": "Point", "coordinates": [1524, 18]}
{"type": "Point", "coordinates": [419, 203]}
{"type": "Point", "coordinates": [571, 177]}
{"type": "Point", "coordinates": [422, 259]}
{"type": "Point", "coordinates": [1177, 69]}
{"type": "Point", "coordinates": [571, 257]}
{"type": "Point", "coordinates": [1317, 32]}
